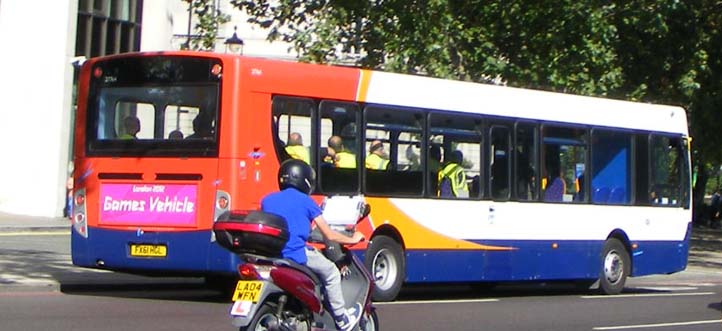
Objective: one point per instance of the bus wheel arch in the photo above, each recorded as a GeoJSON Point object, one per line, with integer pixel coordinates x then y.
{"type": "Point", "coordinates": [615, 263]}
{"type": "Point", "coordinates": [385, 259]}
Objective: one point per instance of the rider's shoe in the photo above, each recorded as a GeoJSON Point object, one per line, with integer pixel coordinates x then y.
{"type": "Point", "coordinates": [349, 319]}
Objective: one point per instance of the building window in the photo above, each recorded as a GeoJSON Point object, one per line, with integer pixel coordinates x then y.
{"type": "Point", "coordinates": [108, 27]}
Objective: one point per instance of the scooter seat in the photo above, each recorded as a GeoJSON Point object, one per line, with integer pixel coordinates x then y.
{"type": "Point", "coordinates": [302, 268]}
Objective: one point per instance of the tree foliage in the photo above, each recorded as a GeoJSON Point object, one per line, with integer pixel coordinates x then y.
{"type": "Point", "coordinates": [662, 51]}
{"type": "Point", "coordinates": [209, 19]}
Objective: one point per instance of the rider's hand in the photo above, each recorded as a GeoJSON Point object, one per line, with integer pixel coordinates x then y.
{"type": "Point", "coordinates": [358, 237]}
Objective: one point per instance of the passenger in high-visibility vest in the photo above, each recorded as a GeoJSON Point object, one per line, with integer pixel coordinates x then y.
{"type": "Point", "coordinates": [295, 148]}
{"type": "Point", "coordinates": [452, 178]}
{"type": "Point", "coordinates": [377, 159]}
{"type": "Point", "coordinates": [132, 127]}
{"type": "Point", "coordinates": [343, 158]}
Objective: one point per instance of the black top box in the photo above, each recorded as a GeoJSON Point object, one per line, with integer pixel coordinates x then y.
{"type": "Point", "coordinates": [258, 233]}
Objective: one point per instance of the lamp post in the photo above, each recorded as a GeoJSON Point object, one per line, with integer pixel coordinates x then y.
{"type": "Point", "coordinates": [187, 45]}
{"type": "Point", "coordinates": [234, 44]}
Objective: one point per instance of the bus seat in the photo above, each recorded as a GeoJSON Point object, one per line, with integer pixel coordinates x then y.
{"type": "Point", "coordinates": [601, 195]}
{"type": "Point", "coordinates": [555, 191]}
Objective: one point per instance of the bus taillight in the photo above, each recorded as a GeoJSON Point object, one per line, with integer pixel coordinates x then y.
{"type": "Point", "coordinates": [80, 221]}
{"type": "Point", "coordinates": [79, 199]}
{"type": "Point", "coordinates": [216, 70]}
{"type": "Point", "coordinates": [222, 202]}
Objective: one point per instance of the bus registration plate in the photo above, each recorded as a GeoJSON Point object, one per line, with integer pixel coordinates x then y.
{"type": "Point", "coordinates": [248, 291]}
{"type": "Point", "coordinates": [146, 250]}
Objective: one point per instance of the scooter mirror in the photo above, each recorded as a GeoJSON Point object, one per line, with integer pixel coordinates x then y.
{"type": "Point", "coordinates": [366, 210]}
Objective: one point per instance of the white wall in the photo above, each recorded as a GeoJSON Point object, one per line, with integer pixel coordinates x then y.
{"type": "Point", "coordinates": [159, 23]}
{"type": "Point", "coordinates": [35, 91]}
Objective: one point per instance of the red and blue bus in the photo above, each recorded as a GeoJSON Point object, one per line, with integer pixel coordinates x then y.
{"type": "Point", "coordinates": [555, 186]}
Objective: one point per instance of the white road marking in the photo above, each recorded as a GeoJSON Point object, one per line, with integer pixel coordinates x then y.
{"type": "Point", "coordinates": [422, 302]}
{"type": "Point", "coordinates": [667, 288]}
{"type": "Point", "coordinates": [642, 295]}
{"type": "Point", "coordinates": [658, 325]}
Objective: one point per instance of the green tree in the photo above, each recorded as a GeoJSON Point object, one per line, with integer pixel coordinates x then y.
{"type": "Point", "coordinates": [208, 21]}
{"type": "Point", "coordinates": [661, 51]}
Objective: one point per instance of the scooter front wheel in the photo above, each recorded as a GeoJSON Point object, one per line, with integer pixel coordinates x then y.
{"type": "Point", "coordinates": [369, 322]}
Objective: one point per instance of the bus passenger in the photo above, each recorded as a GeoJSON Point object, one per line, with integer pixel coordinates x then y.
{"type": "Point", "coordinates": [377, 159]}
{"type": "Point", "coordinates": [201, 129]}
{"type": "Point", "coordinates": [295, 148]}
{"type": "Point", "coordinates": [328, 155]}
{"type": "Point", "coordinates": [175, 135]}
{"type": "Point", "coordinates": [296, 180]}
{"type": "Point", "coordinates": [343, 158]}
{"type": "Point", "coordinates": [131, 124]}
{"type": "Point", "coordinates": [452, 178]}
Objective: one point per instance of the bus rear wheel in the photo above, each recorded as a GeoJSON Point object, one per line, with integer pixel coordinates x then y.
{"type": "Point", "coordinates": [616, 267]}
{"type": "Point", "coordinates": [385, 261]}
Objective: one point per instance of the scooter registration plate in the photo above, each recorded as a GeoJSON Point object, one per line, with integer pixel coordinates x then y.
{"type": "Point", "coordinates": [248, 291]}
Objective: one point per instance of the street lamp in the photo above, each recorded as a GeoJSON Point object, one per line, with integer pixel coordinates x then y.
{"type": "Point", "coordinates": [234, 44]}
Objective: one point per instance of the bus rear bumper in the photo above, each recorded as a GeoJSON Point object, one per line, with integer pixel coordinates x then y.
{"type": "Point", "coordinates": [189, 253]}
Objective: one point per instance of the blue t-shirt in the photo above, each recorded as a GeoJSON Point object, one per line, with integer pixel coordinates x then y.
{"type": "Point", "coordinates": [299, 210]}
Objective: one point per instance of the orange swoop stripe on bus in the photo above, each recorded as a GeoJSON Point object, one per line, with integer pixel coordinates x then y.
{"type": "Point", "coordinates": [363, 85]}
{"type": "Point", "coordinates": [417, 236]}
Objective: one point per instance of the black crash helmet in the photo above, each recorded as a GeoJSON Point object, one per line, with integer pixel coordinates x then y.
{"type": "Point", "coordinates": [297, 174]}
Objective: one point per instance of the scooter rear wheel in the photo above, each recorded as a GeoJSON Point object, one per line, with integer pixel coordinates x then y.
{"type": "Point", "coordinates": [264, 318]}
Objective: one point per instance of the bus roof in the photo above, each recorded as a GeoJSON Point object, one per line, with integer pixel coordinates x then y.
{"type": "Point", "coordinates": [476, 98]}
{"type": "Point", "coordinates": [425, 92]}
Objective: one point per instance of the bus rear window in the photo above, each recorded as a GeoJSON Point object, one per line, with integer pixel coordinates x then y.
{"type": "Point", "coordinates": [170, 110]}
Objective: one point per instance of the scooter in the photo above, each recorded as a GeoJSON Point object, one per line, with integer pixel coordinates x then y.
{"type": "Point", "coordinates": [278, 294]}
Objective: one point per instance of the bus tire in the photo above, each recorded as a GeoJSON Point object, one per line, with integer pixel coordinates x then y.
{"type": "Point", "coordinates": [615, 268]}
{"type": "Point", "coordinates": [385, 261]}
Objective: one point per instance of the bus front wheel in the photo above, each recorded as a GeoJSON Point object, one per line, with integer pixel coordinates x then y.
{"type": "Point", "coordinates": [616, 267]}
{"type": "Point", "coordinates": [385, 261]}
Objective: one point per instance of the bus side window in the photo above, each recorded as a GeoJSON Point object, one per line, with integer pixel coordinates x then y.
{"type": "Point", "coordinates": [338, 147]}
{"type": "Point", "coordinates": [500, 159]}
{"type": "Point", "coordinates": [391, 151]}
{"type": "Point", "coordinates": [292, 128]}
{"type": "Point", "coordinates": [526, 162]}
{"type": "Point", "coordinates": [564, 155]}
{"type": "Point", "coordinates": [455, 140]}
{"type": "Point", "coordinates": [665, 170]}
{"type": "Point", "coordinates": [611, 163]}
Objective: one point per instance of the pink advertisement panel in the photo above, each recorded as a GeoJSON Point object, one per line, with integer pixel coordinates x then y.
{"type": "Point", "coordinates": [148, 204]}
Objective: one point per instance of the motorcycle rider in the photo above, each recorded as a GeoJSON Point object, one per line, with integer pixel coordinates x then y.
{"type": "Point", "coordinates": [296, 179]}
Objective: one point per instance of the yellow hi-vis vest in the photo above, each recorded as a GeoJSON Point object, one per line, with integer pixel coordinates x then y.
{"type": "Point", "coordinates": [298, 152]}
{"type": "Point", "coordinates": [373, 161]}
{"type": "Point", "coordinates": [457, 178]}
{"type": "Point", "coordinates": [345, 160]}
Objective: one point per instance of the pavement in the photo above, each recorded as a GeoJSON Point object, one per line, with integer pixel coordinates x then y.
{"type": "Point", "coordinates": [24, 223]}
